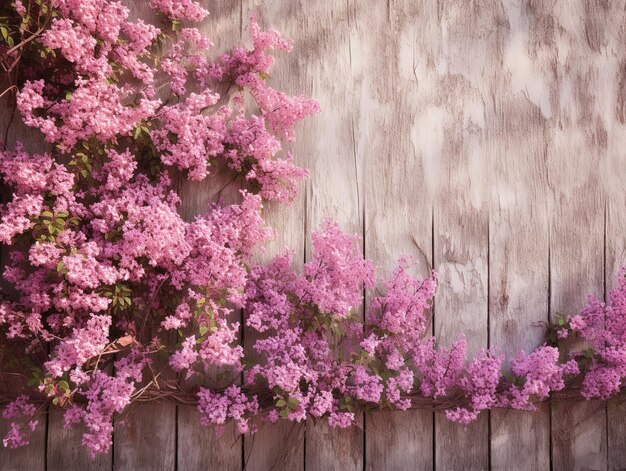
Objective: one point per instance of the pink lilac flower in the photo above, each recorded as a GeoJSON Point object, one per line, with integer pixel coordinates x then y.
{"type": "Point", "coordinates": [180, 9]}
{"type": "Point", "coordinates": [83, 344]}
{"type": "Point", "coordinates": [216, 408]}
{"type": "Point", "coordinates": [542, 374]}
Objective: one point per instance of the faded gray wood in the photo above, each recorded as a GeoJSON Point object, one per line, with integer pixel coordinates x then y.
{"type": "Point", "coordinates": [280, 445]}
{"type": "Point", "coordinates": [334, 188]}
{"type": "Point", "coordinates": [615, 256]}
{"type": "Point", "coordinates": [198, 447]}
{"type": "Point", "coordinates": [64, 450]}
{"type": "Point", "coordinates": [461, 223]}
{"type": "Point", "coordinates": [578, 428]}
{"type": "Point", "coordinates": [398, 211]}
{"type": "Point", "coordinates": [202, 448]}
{"type": "Point", "coordinates": [615, 245]}
{"type": "Point", "coordinates": [518, 252]}
{"type": "Point", "coordinates": [145, 438]}
{"type": "Point", "coordinates": [577, 145]}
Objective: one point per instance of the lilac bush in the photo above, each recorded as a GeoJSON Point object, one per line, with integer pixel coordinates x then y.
{"type": "Point", "coordinates": [114, 298]}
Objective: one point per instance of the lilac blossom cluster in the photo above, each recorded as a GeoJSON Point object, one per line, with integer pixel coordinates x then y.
{"type": "Point", "coordinates": [116, 298]}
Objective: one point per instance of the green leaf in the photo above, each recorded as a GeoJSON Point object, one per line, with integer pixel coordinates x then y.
{"type": "Point", "coordinates": [64, 385]}
{"type": "Point", "coordinates": [32, 382]}
{"type": "Point", "coordinates": [203, 330]}
{"type": "Point", "coordinates": [281, 403]}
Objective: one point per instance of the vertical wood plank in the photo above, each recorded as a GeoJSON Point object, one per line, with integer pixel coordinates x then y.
{"type": "Point", "coordinates": [461, 93]}
{"type": "Point", "coordinates": [281, 445]}
{"type": "Point", "coordinates": [615, 260]}
{"type": "Point", "coordinates": [519, 244]}
{"type": "Point", "coordinates": [334, 187]}
{"type": "Point", "coordinates": [145, 438]}
{"type": "Point", "coordinates": [32, 456]}
{"type": "Point", "coordinates": [461, 257]}
{"type": "Point", "coordinates": [65, 450]}
{"type": "Point", "coordinates": [582, 104]}
{"type": "Point", "coordinates": [614, 172]}
{"type": "Point", "coordinates": [199, 447]}
{"type": "Point", "coordinates": [578, 427]}
{"type": "Point", "coordinates": [391, 131]}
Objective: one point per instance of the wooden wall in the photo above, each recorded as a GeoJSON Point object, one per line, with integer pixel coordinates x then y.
{"type": "Point", "coordinates": [484, 137]}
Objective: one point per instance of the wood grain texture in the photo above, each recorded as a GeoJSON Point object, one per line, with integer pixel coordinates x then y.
{"type": "Point", "coordinates": [459, 92]}
{"type": "Point", "coordinates": [334, 188]}
{"type": "Point", "coordinates": [201, 448]}
{"type": "Point", "coordinates": [64, 451]}
{"type": "Point", "coordinates": [615, 245]}
{"type": "Point", "coordinates": [580, 115]}
{"type": "Point", "coordinates": [198, 447]}
{"type": "Point", "coordinates": [398, 208]}
{"type": "Point", "coordinates": [33, 456]}
{"type": "Point", "coordinates": [518, 243]}
{"type": "Point", "coordinates": [145, 438]}
{"type": "Point", "coordinates": [281, 445]}
{"type": "Point", "coordinates": [615, 260]}
{"type": "Point", "coordinates": [518, 271]}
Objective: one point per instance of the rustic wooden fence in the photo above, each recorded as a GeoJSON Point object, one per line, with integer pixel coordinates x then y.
{"type": "Point", "coordinates": [488, 139]}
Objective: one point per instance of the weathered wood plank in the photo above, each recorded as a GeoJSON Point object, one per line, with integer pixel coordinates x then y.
{"type": "Point", "coordinates": [578, 428]}
{"type": "Point", "coordinates": [334, 187]}
{"type": "Point", "coordinates": [65, 450]}
{"type": "Point", "coordinates": [198, 447]}
{"type": "Point", "coordinates": [460, 92]}
{"type": "Point", "coordinates": [461, 254]}
{"type": "Point", "coordinates": [281, 445]}
{"type": "Point", "coordinates": [33, 456]}
{"type": "Point", "coordinates": [145, 438]}
{"type": "Point", "coordinates": [201, 448]}
{"type": "Point", "coordinates": [582, 97]}
{"type": "Point", "coordinates": [519, 283]}
{"type": "Point", "coordinates": [390, 128]}
{"type": "Point", "coordinates": [577, 269]}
